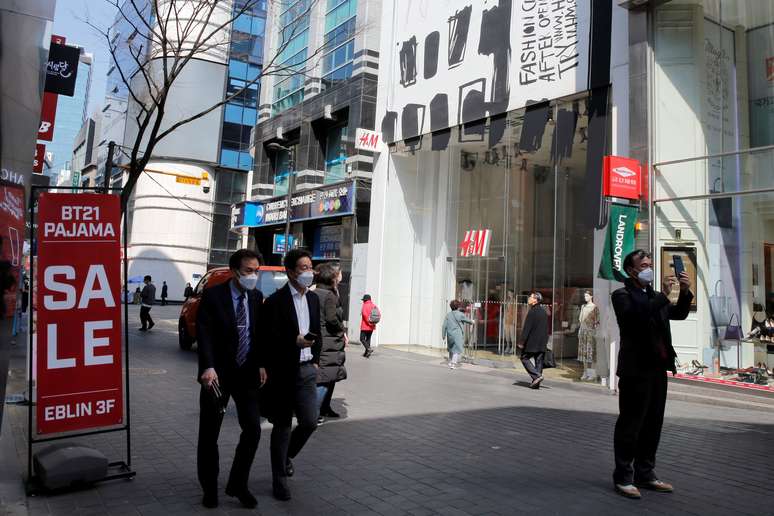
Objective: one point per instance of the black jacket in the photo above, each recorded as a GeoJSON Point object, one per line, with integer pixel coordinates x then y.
{"type": "Point", "coordinates": [643, 319]}
{"type": "Point", "coordinates": [148, 294]}
{"type": "Point", "coordinates": [332, 356]}
{"type": "Point", "coordinates": [164, 291]}
{"type": "Point", "coordinates": [534, 336]}
{"type": "Point", "coordinates": [218, 338]}
{"type": "Point", "coordinates": [282, 353]}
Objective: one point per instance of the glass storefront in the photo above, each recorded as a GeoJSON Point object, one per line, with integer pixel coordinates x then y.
{"type": "Point", "coordinates": [496, 222]}
{"type": "Point", "coordinates": [713, 187]}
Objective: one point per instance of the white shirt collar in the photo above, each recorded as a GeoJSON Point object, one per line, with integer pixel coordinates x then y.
{"type": "Point", "coordinates": [235, 292]}
{"type": "Point", "coordinates": [294, 291]}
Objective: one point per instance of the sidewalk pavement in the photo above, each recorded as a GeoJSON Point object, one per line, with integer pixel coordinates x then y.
{"type": "Point", "coordinates": [418, 438]}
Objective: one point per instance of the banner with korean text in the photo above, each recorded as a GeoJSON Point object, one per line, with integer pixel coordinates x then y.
{"type": "Point", "coordinates": [78, 300]}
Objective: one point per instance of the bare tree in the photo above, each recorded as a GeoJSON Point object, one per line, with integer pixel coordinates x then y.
{"type": "Point", "coordinates": [167, 35]}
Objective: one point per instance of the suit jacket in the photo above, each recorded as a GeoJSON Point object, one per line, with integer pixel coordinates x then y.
{"type": "Point", "coordinates": [218, 337]}
{"type": "Point", "coordinates": [534, 335]}
{"type": "Point", "coordinates": [643, 319]}
{"type": "Point", "coordinates": [282, 355]}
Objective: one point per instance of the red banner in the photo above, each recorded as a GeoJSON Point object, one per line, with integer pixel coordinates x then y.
{"type": "Point", "coordinates": [78, 300]}
{"type": "Point", "coordinates": [622, 177]}
{"type": "Point", "coordinates": [47, 116]}
{"type": "Point", "coordinates": [39, 159]}
{"type": "Point", "coordinates": [12, 238]}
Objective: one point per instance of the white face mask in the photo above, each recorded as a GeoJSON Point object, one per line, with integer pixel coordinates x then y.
{"type": "Point", "coordinates": [645, 275]}
{"type": "Point", "coordinates": [248, 282]}
{"type": "Point", "coordinates": [305, 279]}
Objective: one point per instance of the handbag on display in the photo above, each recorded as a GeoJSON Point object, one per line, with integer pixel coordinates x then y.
{"type": "Point", "coordinates": [733, 331]}
{"type": "Point", "coordinates": [719, 308]}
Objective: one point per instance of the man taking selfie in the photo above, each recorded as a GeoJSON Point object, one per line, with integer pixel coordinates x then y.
{"type": "Point", "coordinates": [645, 357]}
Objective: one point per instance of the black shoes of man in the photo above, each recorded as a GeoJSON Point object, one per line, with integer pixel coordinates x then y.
{"type": "Point", "coordinates": [245, 497]}
{"type": "Point", "coordinates": [280, 489]}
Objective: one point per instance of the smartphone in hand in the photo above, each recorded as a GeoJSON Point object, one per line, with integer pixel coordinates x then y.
{"type": "Point", "coordinates": [310, 337]}
{"type": "Point", "coordinates": [679, 266]}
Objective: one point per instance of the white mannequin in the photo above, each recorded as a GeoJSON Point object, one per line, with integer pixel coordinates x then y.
{"type": "Point", "coordinates": [587, 336]}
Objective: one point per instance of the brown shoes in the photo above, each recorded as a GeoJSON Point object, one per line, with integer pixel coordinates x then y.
{"type": "Point", "coordinates": [628, 490]}
{"type": "Point", "coordinates": [656, 485]}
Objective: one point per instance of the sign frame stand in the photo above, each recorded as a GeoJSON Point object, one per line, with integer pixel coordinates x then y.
{"type": "Point", "coordinates": [117, 469]}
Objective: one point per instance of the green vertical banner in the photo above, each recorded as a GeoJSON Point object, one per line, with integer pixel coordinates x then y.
{"type": "Point", "coordinates": [619, 241]}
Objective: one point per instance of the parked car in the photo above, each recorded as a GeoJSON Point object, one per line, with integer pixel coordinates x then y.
{"type": "Point", "coordinates": [270, 278]}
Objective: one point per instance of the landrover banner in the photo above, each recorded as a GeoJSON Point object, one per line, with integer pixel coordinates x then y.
{"type": "Point", "coordinates": [619, 241]}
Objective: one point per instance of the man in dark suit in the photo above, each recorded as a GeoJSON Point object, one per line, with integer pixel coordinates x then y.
{"type": "Point", "coordinates": [147, 297]}
{"type": "Point", "coordinates": [646, 355]}
{"type": "Point", "coordinates": [228, 326]}
{"type": "Point", "coordinates": [292, 359]}
{"type": "Point", "coordinates": [534, 339]}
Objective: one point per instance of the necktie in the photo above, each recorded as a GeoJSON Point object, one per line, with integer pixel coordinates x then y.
{"type": "Point", "coordinates": [244, 334]}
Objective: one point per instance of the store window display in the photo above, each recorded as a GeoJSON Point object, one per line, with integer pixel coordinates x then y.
{"type": "Point", "coordinates": [587, 336]}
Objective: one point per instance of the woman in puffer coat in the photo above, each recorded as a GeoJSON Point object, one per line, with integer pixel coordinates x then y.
{"type": "Point", "coordinates": [334, 337]}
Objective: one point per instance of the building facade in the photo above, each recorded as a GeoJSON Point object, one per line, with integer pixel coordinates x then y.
{"type": "Point", "coordinates": [200, 169]}
{"type": "Point", "coordinates": [498, 118]}
{"type": "Point", "coordinates": [320, 89]}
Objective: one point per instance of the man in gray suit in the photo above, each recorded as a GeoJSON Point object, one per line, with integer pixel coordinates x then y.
{"type": "Point", "coordinates": [147, 298]}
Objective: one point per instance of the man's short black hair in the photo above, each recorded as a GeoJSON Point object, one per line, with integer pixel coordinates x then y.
{"type": "Point", "coordinates": [291, 258]}
{"type": "Point", "coordinates": [235, 262]}
{"type": "Point", "coordinates": [147, 277]}
{"type": "Point", "coordinates": [628, 262]}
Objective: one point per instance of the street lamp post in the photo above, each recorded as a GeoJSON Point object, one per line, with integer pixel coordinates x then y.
{"type": "Point", "coordinates": [291, 186]}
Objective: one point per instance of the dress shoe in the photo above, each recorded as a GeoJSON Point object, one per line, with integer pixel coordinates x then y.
{"type": "Point", "coordinates": [244, 496]}
{"type": "Point", "coordinates": [368, 353]}
{"type": "Point", "coordinates": [151, 325]}
{"type": "Point", "coordinates": [142, 329]}
{"type": "Point", "coordinates": [536, 382]}
{"type": "Point", "coordinates": [628, 490]}
{"type": "Point", "coordinates": [656, 485]}
{"type": "Point", "coordinates": [210, 500]}
{"type": "Point", "coordinates": [330, 413]}
{"type": "Point", "coordinates": [280, 489]}
{"type": "Point", "coordinates": [289, 469]}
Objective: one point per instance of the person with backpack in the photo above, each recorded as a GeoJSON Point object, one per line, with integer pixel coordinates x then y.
{"type": "Point", "coordinates": [370, 317]}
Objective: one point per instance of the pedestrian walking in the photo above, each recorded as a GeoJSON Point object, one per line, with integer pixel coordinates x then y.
{"type": "Point", "coordinates": [453, 333]}
{"type": "Point", "coordinates": [645, 356]}
{"type": "Point", "coordinates": [292, 359]}
{"type": "Point", "coordinates": [164, 293]}
{"type": "Point", "coordinates": [534, 339]}
{"type": "Point", "coordinates": [369, 318]}
{"type": "Point", "coordinates": [188, 292]}
{"type": "Point", "coordinates": [334, 338]}
{"type": "Point", "coordinates": [147, 298]}
{"type": "Point", "coordinates": [229, 334]}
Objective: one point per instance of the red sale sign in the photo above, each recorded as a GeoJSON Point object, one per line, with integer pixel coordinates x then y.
{"type": "Point", "coordinates": [622, 177]}
{"type": "Point", "coordinates": [78, 300]}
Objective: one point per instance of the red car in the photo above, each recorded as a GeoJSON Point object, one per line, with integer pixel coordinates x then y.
{"type": "Point", "coordinates": [270, 278]}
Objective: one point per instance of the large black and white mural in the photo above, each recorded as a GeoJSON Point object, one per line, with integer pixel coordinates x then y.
{"type": "Point", "coordinates": [456, 62]}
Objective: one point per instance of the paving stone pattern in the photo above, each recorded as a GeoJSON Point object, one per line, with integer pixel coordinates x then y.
{"type": "Point", "coordinates": [417, 438]}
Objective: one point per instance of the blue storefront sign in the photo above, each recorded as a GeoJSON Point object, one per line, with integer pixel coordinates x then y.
{"type": "Point", "coordinates": [328, 201]}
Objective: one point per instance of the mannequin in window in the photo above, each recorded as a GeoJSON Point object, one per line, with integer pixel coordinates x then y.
{"type": "Point", "coordinates": [587, 336]}
{"type": "Point", "coordinates": [509, 322]}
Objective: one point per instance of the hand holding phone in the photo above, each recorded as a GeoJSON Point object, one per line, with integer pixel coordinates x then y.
{"type": "Point", "coordinates": [678, 264]}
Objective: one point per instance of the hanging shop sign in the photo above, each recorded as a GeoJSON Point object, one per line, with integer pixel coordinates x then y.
{"type": "Point", "coordinates": [78, 302]}
{"type": "Point", "coordinates": [476, 242]}
{"type": "Point", "coordinates": [368, 140]}
{"type": "Point", "coordinates": [39, 159]}
{"type": "Point", "coordinates": [47, 117]}
{"type": "Point", "coordinates": [62, 69]}
{"type": "Point", "coordinates": [622, 177]}
{"type": "Point", "coordinates": [619, 241]}
{"type": "Point", "coordinates": [330, 201]}
{"type": "Point", "coordinates": [12, 232]}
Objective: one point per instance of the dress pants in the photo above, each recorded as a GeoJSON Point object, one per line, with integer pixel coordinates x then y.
{"type": "Point", "coordinates": [210, 419]}
{"type": "Point", "coordinates": [285, 443]}
{"type": "Point", "coordinates": [145, 317]}
{"type": "Point", "coordinates": [638, 430]}
{"type": "Point", "coordinates": [536, 370]}
{"type": "Point", "coordinates": [365, 338]}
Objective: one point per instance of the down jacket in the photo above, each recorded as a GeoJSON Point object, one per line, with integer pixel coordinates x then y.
{"type": "Point", "coordinates": [332, 356]}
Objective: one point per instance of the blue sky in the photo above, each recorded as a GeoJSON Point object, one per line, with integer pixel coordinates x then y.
{"type": "Point", "coordinates": [70, 21]}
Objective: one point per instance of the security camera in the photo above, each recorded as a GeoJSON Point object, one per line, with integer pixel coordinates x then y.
{"type": "Point", "coordinates": [205, 182]}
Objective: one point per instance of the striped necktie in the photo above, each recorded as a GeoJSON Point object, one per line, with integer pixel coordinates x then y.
{"type": "Point", "coordinates": [244, 333]}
